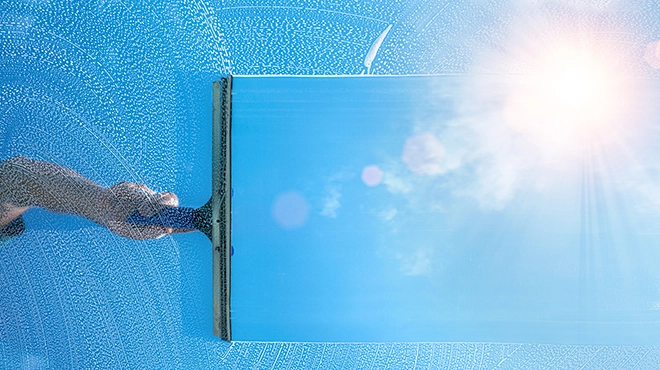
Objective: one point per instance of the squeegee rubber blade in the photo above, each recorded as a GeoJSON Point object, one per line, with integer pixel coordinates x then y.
{"type": "Point", "coordinates": [221, 208]}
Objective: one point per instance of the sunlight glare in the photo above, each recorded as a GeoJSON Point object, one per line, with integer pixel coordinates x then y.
{"type": "Point", "coordinates": [573, 97]}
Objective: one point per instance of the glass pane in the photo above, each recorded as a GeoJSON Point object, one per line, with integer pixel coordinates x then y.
{"type": "Point", "coordinates": [446, 208]}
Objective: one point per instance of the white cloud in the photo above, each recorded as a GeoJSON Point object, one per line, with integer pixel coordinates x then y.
{"type": "Point", "coordinates": [396, 184]}
{"type": "Point", "coordinates": [471, 150]}
{"type": "Point", "coordinates": [388, 214]}
{"type": "Point", "coordinates": [416, 263]}
{"type": "Point", "coordinates": [496, 185]}
{"type": "Point", "coordinates": [475, 154]}
{"type": "Point", "coordinates": [478, 151]}
{"type": "Point", "coordinates": [423, 154]}
{"type": "Point", "coordinates": [331, 203]}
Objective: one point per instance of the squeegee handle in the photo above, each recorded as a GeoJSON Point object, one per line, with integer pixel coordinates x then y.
{"type": "Point", "coordinates": [175, 217]}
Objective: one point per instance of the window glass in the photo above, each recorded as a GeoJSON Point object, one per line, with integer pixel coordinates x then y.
{"type": "Point", "coordinates": [446, 208]}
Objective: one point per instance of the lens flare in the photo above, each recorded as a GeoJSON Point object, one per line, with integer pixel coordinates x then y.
{"type": "Point", "coordinates": [372, 175]}
{"type": "Point", "coordinates": [290, 210]}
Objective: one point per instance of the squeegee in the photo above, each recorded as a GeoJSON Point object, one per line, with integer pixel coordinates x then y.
{"type": "Point", "coordinates": [213, 218]}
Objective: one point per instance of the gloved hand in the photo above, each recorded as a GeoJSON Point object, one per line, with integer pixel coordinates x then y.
{"type": "Point", "coordinates": [122, 199]}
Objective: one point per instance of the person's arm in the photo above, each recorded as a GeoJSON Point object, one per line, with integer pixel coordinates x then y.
{"type": "Point", "coordinates": [26, 183]}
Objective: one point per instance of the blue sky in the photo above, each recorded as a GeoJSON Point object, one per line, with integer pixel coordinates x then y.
{"type": "Point", "coordinates": [417, 208]}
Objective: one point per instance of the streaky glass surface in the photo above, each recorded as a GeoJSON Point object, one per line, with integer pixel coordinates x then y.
{"type": "Point", "coordinates": [446, 208]}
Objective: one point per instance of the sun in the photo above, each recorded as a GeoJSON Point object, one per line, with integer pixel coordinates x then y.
{"type": "Point", "coordinates": [578, 87]}
{"type": "Point", "coordinates": [572, 97]}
